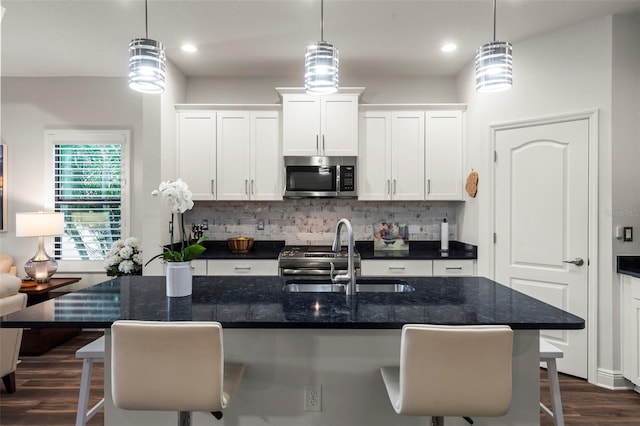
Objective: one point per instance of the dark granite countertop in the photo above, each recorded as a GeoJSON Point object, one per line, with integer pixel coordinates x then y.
{"type": "Point", "coordinates": [259, 302]}
{"type": "Point", "coordinates": [262, 249]}
{"type": "Point", "coordinates": [629, 265]}
{"type": "Point", "coordinates": [420, 250]}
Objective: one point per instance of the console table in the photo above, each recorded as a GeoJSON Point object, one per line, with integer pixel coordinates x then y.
{"type": "Point", "coordinates": [36, 341]}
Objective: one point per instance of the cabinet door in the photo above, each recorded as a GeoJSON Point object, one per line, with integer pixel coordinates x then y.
{"type": "Point", "coordinates": [407, 155]}
{"type": "Point", "coordinates": [300, 125]}
{"type": "Point", "coordinates": [266, 157]}
{"type": "Point", "coordinates": [234, 138]}
{"type": "Point", "coordinates": [444, 158]}
{"type": "Point", "coordinates": [374, 159]}
{"type": "Point", "coordinates": [630, 322]}
{"type": "Point", "coordinates": [339, 125]}
{"type": "Point", "coordinates": [196, 152]}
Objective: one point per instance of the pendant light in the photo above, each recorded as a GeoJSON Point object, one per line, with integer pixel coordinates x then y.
{"type": "Point", "coordinates": [494, 63]}
{"type": "Point", "coordinates": [321, 64]}
{"type": "Point", "coordinates": [146, 62]}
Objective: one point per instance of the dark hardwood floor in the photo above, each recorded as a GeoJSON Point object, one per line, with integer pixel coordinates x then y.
{"type": "Point", "coordinates": [48, 394]}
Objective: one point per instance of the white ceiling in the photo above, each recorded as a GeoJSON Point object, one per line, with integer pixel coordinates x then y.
{"type": "Point", "coordinates": [268, 37]}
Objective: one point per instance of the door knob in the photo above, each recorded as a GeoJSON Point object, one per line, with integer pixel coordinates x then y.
{"type": "Point", "coordinates": [577, 261]}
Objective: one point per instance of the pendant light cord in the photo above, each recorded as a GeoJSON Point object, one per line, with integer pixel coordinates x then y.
{"type": "Point", "coordinates": [494, 20]}
{"type": "Point", "coordinates": [322, 20]}
{"type": "Point", "coordinates": [146, 20]}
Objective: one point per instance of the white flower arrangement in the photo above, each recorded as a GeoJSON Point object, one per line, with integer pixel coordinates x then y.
{"type": "Point", "coordinates": [179, 196]}
{"type": "Point", "coordinates": [124, 258]}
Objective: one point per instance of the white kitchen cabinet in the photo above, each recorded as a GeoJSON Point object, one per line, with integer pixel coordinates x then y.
{"type": "Point", "coordinates": [388, 267]}
{"type": "Point", "coordinates": [454, 267]}
{"type": "Point", "coordinates": [248, 155]}
{"type": "Point", "coordinates": [391, 155]}
{"type": "Point", "coordinates": [242, 267]}
{"type": "Point", "coordinates": [199, 266]}
{"type": "Point", "coordinates": [320, 125]}
{"type": "Point", "coordinates": [631, 329]}
{"type": "Point", "coordinates": [196, 152]}
{"type": "Point", "coordinates": [444, 155]}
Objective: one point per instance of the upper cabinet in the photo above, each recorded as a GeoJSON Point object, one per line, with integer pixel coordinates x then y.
{"type": "Point", "coordinates": [391, 161]}
{"type": "Point", "coordinates": [410, 154]}
{"type": "Point", "coordinates": [230, 154]}
{"type": "Point", "coordinates": [196, 152]}
{"type": "Point", "coordinates": [444, 155]}
{"type": "Point", "coordinates": [249, 156]}
{"type": "Point", "coordinates": [320, 125]}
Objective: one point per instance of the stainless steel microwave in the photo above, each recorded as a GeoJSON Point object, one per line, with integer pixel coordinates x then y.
{"type": "Point", "coordinates": [320, 177]}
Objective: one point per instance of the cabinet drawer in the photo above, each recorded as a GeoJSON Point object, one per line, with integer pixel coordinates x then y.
{"type": "Point", "coordinates": [420, 268]}
{"type": "Point", "coordinates": [453, 267]}
{"type": "Point", "coordinates": [242, 267]}
{"type": "Point", "coordinates": [199, 266]}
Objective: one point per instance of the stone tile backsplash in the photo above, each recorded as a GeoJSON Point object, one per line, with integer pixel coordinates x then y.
{"type": "Point", "coordinates": [313, 221]}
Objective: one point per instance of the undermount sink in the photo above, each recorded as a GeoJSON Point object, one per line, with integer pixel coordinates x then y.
{"type": "Point", "coordinates": [363, 285]}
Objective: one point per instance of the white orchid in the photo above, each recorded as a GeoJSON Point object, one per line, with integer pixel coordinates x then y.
{"type": "Point", "coordinates": [180, 198]}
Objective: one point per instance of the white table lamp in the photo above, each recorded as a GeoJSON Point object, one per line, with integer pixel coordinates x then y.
{"type": "Point", "coordinates": [40, 224]}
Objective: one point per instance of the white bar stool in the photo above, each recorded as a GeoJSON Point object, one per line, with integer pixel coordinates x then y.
{"type": "Point", "coordinates": [548, 355]}
{"type": "Point", "coordinates": [90, 353]}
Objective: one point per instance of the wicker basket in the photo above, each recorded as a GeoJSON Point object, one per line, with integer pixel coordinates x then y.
{"type": "Point", "coordinates": [240, 244]}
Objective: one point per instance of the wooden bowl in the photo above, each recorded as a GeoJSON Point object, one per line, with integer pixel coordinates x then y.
{"type": "Point", "coordinates": [240, 244]}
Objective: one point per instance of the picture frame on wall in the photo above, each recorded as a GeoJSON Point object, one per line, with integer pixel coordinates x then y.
{"type": "Point", "coordinates": [3, 188]}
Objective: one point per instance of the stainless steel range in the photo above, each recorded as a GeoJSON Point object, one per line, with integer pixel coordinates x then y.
{"type": "Point", "coordinates": [314, 261]}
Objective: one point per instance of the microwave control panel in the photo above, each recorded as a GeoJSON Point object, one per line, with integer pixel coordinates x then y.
{"type": "Point", "coordinates": [347, 178]}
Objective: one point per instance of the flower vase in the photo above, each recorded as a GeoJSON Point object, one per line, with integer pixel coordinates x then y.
{"type": "Point", "coordinates": [179, 279]}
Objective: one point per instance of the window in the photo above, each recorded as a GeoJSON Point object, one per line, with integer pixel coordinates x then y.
{"type": "Point", "coordinates": [89, 181]}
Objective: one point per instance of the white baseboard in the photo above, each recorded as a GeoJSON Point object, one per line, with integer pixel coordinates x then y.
{"type": "Point", "coordinates": [613, 380]}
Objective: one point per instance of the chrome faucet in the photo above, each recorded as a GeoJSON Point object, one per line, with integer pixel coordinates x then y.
{"type": "Point", "coordinates": [349, 279]}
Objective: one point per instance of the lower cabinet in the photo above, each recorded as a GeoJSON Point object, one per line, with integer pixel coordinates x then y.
{"type": "Point", "coordinates": [631, 329]}
{"type": "Point", "coordinates": [417, 268]}
{"type": "Point", "coordinates": [242, 267]}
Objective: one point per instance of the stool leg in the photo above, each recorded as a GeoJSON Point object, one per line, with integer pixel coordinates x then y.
{"type": "Point", "coordinates": [85, 386]}
{"type": "Point", "coordinates": [554, 386]}
{"type": "Point", "coordinates": [437, 421]}
{"type": "Point", "coordinates": [184, 418]}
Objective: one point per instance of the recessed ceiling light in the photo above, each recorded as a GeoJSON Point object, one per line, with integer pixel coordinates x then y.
{"type": "Point", "coordinates": [448, 47]}
{"type": "Point", "coordinates": [190, 48]}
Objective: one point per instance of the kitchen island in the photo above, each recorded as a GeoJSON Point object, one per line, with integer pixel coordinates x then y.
{"type": "Point", "coordinates": [289, 340]}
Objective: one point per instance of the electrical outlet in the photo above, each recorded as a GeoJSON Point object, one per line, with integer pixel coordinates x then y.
{"type": "Point", "coordinates": [205, 225]}
{"type": "Point", "coordinates": [260, 224]}
{"type": "Point", "coordinates": [313, 398]}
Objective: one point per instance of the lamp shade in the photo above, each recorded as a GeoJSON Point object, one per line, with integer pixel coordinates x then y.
{"type": "Point", "coordinates": [147, 62]}
{"type": "Point", "coordinates": [321, 61]}
{"type": "Point", "coordinates": [494, 67]}
{"type": "Point", "coordinates": [39, 224]}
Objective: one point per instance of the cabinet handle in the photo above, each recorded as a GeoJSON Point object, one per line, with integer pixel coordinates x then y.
{"type": "Point", "coordinates": [213, 186]}
{"type": "Point", "coordinates": [246, 187]}
{"type": "Point", "coordinates": [453, 268]}
{"type": "Point", "coordinates": [242, 268]}
{"type": "Point", "coordinates": [399, 268]}
{"type": "Point", "coordinates": [395, 187]}
{"type": "Point", "coordinates": [322, 144]}
{"type": "Point", "coordinates": [317, 144]}
{"type": "Point", "coordinates": [253, 186]}
{"type": "Point", "coordinates": [428, 186]}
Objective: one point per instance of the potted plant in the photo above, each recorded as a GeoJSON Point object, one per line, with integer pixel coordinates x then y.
{"type": "Point", "coordinates": [179, 272]}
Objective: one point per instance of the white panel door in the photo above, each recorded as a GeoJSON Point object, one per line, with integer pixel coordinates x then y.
{"type": "Point", "coordinates": [407, 155]}
{"type": "Point", "coordinates": [443, 147]}
{"type": "Point", "coordinates": [374, 159]}
{"type": "Point", "coordinates": [266, 157]}
{"type": "Point", "coordinates": [339, 125]}
{"type": "Point", "coordinates": [234, 138]}
{"type": "Point", "coordinates": [541, 206]}
{"type": "Point", "coordinates": [196, 152]}
{"type": "Point", "coordinates": [301, 125]}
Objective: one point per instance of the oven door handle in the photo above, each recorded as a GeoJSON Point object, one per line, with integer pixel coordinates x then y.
{"type": "Point", "coordinates": [324, 272]}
